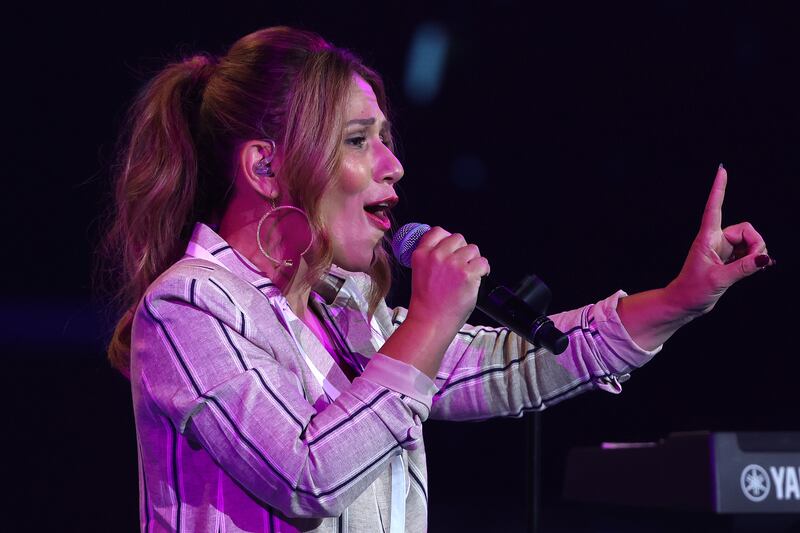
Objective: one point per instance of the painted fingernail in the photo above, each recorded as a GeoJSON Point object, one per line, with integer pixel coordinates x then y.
{"type": "Point", "coordinates": [721, 166]}
{"type": "Point", "coordinates": [763, 260]}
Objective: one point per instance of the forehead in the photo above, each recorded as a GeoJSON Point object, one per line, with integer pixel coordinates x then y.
{"type": "Point", "coordinates": [361, 100]}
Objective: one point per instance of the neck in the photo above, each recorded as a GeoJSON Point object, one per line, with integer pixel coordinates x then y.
{"type": "Point", "coordinates": [239, 227]}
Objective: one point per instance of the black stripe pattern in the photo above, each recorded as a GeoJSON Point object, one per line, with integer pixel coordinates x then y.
{"type": "Point", "coordinates": [219, 407]}
{"type": "Point", "coordinates": [238, 386]}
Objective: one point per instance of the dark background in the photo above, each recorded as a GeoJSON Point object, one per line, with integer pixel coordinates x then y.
{"type": "Point", "coordinates": [572, 141]}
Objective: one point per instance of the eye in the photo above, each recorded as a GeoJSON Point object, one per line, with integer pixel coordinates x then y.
{"type": "Point", "coordinates": [357, 140]}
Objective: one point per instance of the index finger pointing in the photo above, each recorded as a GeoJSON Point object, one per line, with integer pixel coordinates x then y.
{"type": "Point", "coordinates": [712, 216]}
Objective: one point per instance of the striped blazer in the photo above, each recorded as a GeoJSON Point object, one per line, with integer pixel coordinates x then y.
{"type": "Point", "coordinates": [236, 433]}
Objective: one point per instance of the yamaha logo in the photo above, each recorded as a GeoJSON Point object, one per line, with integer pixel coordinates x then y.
{"type": "Point", "coordinates": [755, 483]}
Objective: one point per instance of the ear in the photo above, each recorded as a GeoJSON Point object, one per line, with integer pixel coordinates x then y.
{"type": "Point", "coordinates": [250, 153]}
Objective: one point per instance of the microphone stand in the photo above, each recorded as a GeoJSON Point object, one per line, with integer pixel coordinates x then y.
{"type": "Point", "coordinates": [525, 312]}
{"type": "Point", "coordinates": [535, 293]}
{"type": "Point", "coordinates": [533, 461]}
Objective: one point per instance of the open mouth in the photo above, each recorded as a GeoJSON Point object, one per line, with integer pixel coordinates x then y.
{"type": "Point", "coordinates": [379, 211]}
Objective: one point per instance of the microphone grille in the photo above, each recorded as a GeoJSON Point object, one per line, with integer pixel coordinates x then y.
{"type": "Point", "coordinates": [405, 241]}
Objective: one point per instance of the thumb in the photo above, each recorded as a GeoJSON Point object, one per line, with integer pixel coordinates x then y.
{"type": "Point", "coordinates": [744, 267]}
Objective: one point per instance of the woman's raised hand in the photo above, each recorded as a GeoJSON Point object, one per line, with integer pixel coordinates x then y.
{"type": "Point", "coordinates": [718, 257]}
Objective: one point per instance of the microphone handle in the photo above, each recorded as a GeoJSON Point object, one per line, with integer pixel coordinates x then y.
{"type": "Point", "coordinates": [502, 305]}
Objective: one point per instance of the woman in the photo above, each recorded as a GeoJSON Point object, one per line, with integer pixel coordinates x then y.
{"type": "Point", "coordinates": [273, 389]}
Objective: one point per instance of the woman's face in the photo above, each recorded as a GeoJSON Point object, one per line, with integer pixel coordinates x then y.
{"type": "Point", "coordinates": [356, 205]}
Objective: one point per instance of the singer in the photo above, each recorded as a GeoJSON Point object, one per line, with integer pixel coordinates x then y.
{"type": "Point", "coordinates": [273, 389]}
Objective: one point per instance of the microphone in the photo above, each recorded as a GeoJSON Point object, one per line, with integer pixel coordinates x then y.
{"type": "Point", "coordinates": [494, 300]}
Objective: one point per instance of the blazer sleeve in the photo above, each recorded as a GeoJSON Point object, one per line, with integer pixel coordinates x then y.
{"type": "Point", "coordinates": [489, 372]}
{"type": "Point", "coordinates": [209, 364]}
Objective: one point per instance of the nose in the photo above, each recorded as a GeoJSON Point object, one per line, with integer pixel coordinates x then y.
{"type": "Point", "coordinates": [389, 168]}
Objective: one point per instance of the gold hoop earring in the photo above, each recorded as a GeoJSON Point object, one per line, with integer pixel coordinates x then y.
{"type": "Point", "coordinates": [282, 262]}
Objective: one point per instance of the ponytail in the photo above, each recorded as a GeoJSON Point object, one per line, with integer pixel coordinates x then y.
{"type": "Point", "coordinates": [155, 197]}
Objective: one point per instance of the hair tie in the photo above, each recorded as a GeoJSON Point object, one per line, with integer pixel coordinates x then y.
{"type": "Point", "coordinates": [200, 69]}
{"type": "Point", "coordinates": [202, 66]}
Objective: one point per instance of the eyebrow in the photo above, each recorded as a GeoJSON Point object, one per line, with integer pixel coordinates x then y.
{"type": "Point", "coordinates": [368, 122]}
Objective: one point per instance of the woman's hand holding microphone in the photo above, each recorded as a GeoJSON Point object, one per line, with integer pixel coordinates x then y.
{"type": "Point", "coordinates": [446, 276]}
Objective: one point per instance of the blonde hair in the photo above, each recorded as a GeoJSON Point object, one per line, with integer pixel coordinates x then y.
{"type": "Point", "coordinates": [179, 141]}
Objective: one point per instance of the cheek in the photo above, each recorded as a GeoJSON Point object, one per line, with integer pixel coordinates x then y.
{"type": "Point", "coordinates": [338, 208]}
{"type": "Point", "coordinates": [352, 178]}
{"type": "Point", "coordinates": [343, 202]}
{"type": "Point", "coordinates": [341, 216]}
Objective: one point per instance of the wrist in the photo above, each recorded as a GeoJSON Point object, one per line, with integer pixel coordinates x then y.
{"type": "Point", "coordinates": [651, 317]}
{"type": "Point", "coordinates": [438, 322]}
{"type": "Point", "coordinates": [420, 342]}
{"type": "Point", "coordinates": [429, 329]}
{"type": "Point", "coordinates": [678, 305]}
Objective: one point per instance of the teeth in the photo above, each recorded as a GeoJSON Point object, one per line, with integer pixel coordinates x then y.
{"type": "Point", "coordinates": [376, 207]}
